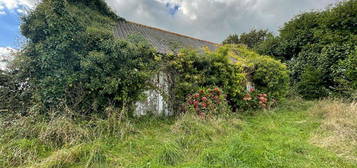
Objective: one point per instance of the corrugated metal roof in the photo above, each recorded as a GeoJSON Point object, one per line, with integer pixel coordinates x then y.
{"type": "Point", "coordinates": [164, 41]}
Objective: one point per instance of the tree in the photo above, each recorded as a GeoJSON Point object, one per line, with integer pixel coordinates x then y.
{"type": "Point", "coordinates": [232, 39]}
{"type": "Point", "coordinates": [324, 40]}
{"type": "Point", "coordinates": [251, 39]}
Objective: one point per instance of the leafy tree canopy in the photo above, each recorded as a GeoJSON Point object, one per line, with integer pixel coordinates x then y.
{"type": "Point", "coordinates": [325, 40]}
{"type": "Point", "coordinates": [251, 39]}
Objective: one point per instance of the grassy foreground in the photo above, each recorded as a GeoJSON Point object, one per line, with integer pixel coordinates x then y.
{"type": "Point", "coordinates": [297, 134]}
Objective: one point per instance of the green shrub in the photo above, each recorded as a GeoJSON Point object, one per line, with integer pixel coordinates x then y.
{"type": "Point", "coordinates": [269, 76]}
{"type": "Point", "coordinates": [194, 70]}
{"type": "Point", "coordinates": [311, 84]}
{"type": "Point", "coordinates": [351, 71]}
{"type": "Point", "coordinates": [230, 67]}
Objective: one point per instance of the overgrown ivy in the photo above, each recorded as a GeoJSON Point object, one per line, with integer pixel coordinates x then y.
{"type": "Point", "coordinates": [230, 67]}
{"type": "Point", "coordinates": [73, 59]}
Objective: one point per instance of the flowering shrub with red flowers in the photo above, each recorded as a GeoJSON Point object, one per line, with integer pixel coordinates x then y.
{"type": "Point", "coordinates": [206, 102]}
{"type": "Point", "coordinates": [253, 100]}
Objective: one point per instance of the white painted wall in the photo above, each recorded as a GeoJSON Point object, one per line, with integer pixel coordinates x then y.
{"type": "Point", "coordinates": [157, 101]}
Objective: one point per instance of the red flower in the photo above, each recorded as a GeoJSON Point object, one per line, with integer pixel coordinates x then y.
{"type": "Point", "coordinates": [204, 99]}
{"type": "Point", "coordinates": [195, 104]}
{"type": "Point", "coordinates": [196, 95]}
{"type": "Point", "coordinates": [204, 105]}
{"type": "Point", "coordinates": [251, 89]}
{"type": "Point", "coordinates": [216, 89]}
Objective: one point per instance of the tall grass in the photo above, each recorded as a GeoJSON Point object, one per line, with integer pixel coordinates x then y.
{"type": "Point", "coordinates": [338, 130]}
{"type": "Point", "coordinates": [27, 139]}
{"type": "Point", "coordinates": [279, 137]}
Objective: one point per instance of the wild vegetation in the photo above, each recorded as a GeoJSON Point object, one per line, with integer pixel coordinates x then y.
{"type": "Point", "coordinates": [296, 134]}
{"type": "Point", "coordinates": [68, 97]}
{"type": "Point", "coordinates": [319, 48]}
{"type": "Point", "coordinates": [229, 67]}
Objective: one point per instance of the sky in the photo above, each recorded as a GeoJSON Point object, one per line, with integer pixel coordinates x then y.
{"type": "Point", "coordinates": [211, 20]}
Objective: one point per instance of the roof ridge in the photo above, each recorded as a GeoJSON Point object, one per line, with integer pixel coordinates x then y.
{"type": "Point", "coordinates": [177, 34]}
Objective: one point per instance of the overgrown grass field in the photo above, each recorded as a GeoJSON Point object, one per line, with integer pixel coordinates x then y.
{"type": "Point", "coordinates": [297, 134]}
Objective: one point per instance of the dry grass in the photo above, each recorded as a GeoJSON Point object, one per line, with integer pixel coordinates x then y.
{"type": "Point", "coordinates": [63, 131]}
{"type": "Point", "coordinates": [338, 130]}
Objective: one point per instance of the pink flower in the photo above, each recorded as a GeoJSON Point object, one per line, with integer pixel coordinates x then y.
{"type": "Point", "coordinates": [196, 95]}
{"type": "Point", "coordinates": [251, 89]}
{"type": "Point", "coordinates": [204, 99]}
{"type": "Point", "coordinates": [195, 104]}
{"type": "Point", "coordinates": [204, 105]}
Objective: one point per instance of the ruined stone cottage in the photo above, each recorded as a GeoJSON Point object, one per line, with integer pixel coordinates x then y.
{"type": "Point", "coordinates": [164, 42]}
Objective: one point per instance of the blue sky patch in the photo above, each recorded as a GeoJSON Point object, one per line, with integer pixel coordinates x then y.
{"type": "Point", "coordinates": [10, 35]}
{"type": "Point", "coordinates": [173, 8]}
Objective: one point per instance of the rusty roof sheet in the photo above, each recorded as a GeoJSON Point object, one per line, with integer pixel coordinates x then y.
{"type": "Point", "coordinates": [164, 41]}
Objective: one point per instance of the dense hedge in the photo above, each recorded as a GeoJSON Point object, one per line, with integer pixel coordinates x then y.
{"type": "Point", "coordinates": [325, 40]}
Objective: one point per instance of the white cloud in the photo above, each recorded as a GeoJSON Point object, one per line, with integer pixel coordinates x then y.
{"type": "Point", "coordinates": [12, 5]}
{"type": "Point", "coordinates": [6, 55]}
{"type": "Point", "coordinates": [214, 19]}
{"type": "Point", "coordinates": [211, 20]}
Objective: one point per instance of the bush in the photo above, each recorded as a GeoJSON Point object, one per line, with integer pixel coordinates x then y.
{"type": "Point", "coordinates": [255, 100]}
{"type": "Point", "coordinates": [268, 75]}
{"type": "Point", "coordinates": [230, 67]}
{"type": "Point", "coordinates": [311, 84]}
{"type": "Point", "coordinates": [194, 70]}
